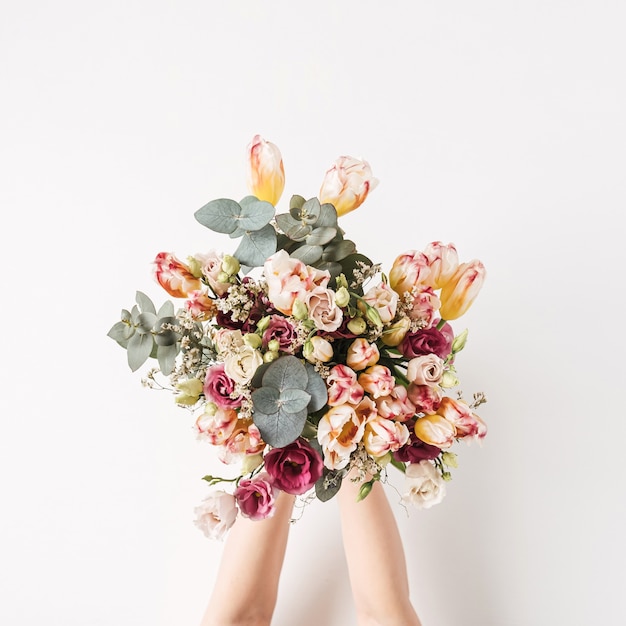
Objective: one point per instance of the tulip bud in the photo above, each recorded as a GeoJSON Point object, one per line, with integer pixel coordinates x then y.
{"type": "Point", "coordinates": [342, 297]}
{"type": "Point", "coordinates": [341, 281]}
{"type": "Point", "coordinates": [230, 265]}
{"type": "Point", "coordinates": [266, 174]}
{"type": "Point", "coordinates": [347, 184]}
{"type": "Point", "coordinates": [373, 316]}
{"type": "Point", "coordinates": [250, 463]}
{"type": "Point", "coordinates": [357, 325]}
{"type": "Point", "coordinates": [195, 267]}
{"type": "Point", "coordinates": [459, 342]}
{"type": "Point", "coordinates": [317, 349]}
{"type": "Point", "coordinates": [461, 290]}
{"type": "Point", "coordinates": [299, 309]}
{"type": "Point", "coordinates": [223, 277]}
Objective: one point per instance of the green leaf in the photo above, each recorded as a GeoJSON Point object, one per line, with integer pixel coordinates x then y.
{"type": "Point", "coordinates": [299, 232]}
{"type": "Point", "coordinates": [398, 464]}
{"type": "Point", "coordinates": [294, 400]}
{"type": "Point", "coordinates": [165, 337]}
{"type": "Point", "coordinates": [308, 254]}
{"type": "Point", "coordinates": [266, 400]}
{"type": "Point", "coordinates": [320, 236]}
{"type": "Point", "coordinates": [287, 372]}
{"type": "Point", "coordinates": [146, 322]}
{"type": "Point", "coordinates": [285, 222]}
{"type": "Point", "coordinates": [166, 310]}
{"type": "Point", "coordinates": [352, 262]}
{"type": "Point", "coordinates": [145, 304]}
{"type": "Point", "coordinates": [220, 215]}
{"type": "Point", "coordinates": [138, 350]}
{"type": "Point", "coordinates": [328, 216]}
{"type": "Point", "coordinates": [338, 251]}
{"type": "Point", "coordinates": [328, 484]}
{"type": "Point", "coordinates": [331, 266]}
{"type": "Point", "coordinates": [296, 202]}
{"type": "Point", "coordinates": [281, 428]}
{"type": "Point", "coordinates": [121, 332]}
{"type": "Point", "coordinates": [316, 387]}
{"type": "Point", "coordinates": [256, 246]}
{"type": "Point", "coordinates": [166, 356]}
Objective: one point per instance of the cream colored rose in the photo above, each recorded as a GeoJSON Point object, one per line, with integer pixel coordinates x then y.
{"type": "Point", "coordinates": [424, 485]}
{"type": "Point", "coordinates": [425, 370]}
{"type": "Point", "coordinates": [323, 310]}
{"type": "Point", "coordinates": [384, 299]}
{"type": "Point", "coordinates": [241, 365]}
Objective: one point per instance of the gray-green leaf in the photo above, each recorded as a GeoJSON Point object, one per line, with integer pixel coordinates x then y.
{"type": "Point", "coordinates": [256, 246]}
{"type": "Point", "coordinates": [138, 350]}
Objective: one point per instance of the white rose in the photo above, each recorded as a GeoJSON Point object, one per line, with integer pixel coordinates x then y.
{"type": "Point", "coordinates": [425, 370]}
{"type": "Point", "coordinates": [424, 485]}
{"type": "Point", "coordinates": [323, 310]}
{"type": "Point", "coordinates": [216, 514]}
{"type": "Point", "coordinates": [241, 365]}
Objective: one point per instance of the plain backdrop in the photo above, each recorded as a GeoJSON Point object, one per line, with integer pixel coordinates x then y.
{"type": "Point", "coordinates": [495, 125]}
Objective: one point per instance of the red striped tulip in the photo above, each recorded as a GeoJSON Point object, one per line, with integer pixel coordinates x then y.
{"type": "Point", "coordinates": [174, 276]}
{"type": "Point", "coordinates": [461, 290]}
{"type": "Point", "coordinates": [266, 174]}
{"type": "Point", "coordinates": [346, 184]}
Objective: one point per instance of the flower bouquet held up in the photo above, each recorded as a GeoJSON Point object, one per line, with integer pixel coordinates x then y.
{"type": "Point", "coordinates": [299, 359]}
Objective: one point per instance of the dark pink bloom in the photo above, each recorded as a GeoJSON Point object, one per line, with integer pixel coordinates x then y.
{"type": "Point", "coordinates": [219, 388]}
{"type": "Point", "coordinates": [256, 497]}
{"type": "Point", "coordinates": [426, 341]}
{"type": "Point", "coordinates": [416, 450]}
{"type": "Point", "coordinates": [294, 468]}
{"type": "Point", "coordinates": [280, 329]}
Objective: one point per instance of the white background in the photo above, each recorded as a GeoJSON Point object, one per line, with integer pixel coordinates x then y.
{"type": "Point", "coordinates": [498, 126]}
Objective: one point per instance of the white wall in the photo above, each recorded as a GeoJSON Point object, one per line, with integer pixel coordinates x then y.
{"type": "Point", "coordinates": [498, 126]}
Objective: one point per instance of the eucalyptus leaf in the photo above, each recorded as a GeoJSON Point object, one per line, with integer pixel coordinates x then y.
{"type": "Point", "coordinates": [165, 336]}
{"type": "Point", "coordinates": [166, 356]}
{"type": "Point", "coordinates": [299, 232]}
{"type": "Point", "coordinates": [308, 254]}
{"type": "Point", "coordinates": [328, 216]}
{"type": "Point", "coordinates": [146, 322]}
{"type": "Point", "coordinates": [281, 428]}
{"type": "Point", "coordinates": [255, 213]}
{"type": "Point", "coordinates": [256, 246]}
{"type": "Point", "coordinates": [332, 267]}
{"type": "Point", "coordinates": [138, 350]}
{"type": "Point", "coordinates": [338, 251]}
{"type": "Point", "coordinates": [320, 236]}
{"type": "Point", "coordinates": [257, 378]}
{"type": "Point", "coordinates": [296, 202]}
{"type": "Point", "coordinates": [121, 333]}
{"type": "Point", "coordinates": [266, 400]}
{"type": "Point", "coordinates": [310, 210]}
{"type": "Point", "coordinates": [166, 309]}
{"type": "Point", "coordinates": [353, 262]}
{"type": "Point", "coordinates": [287, 372]}
{"type": "Point", "coordinates": [293, 400]}
{"type": "Point", "coordinates": [328, 485]}
{"type": "Point", "coordinates": [145, 304]}
{"type": "Point", "coordinates": [220, 215]}
{"type": "Point", "coordinates": [285, 222]}
{"type": "Point", "coordinates": [317, 389]}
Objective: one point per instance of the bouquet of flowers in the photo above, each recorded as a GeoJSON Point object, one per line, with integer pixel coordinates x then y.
{"type": "Point", "coordinates": [299, 359]}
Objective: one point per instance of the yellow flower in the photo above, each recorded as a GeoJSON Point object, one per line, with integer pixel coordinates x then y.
{"type": "Point", "coordinates": [266, 174]}
{"type": "Point", "coordinates": [461, 290]}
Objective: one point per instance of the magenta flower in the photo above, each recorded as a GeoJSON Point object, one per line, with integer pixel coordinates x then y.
{"type": "Point", "coordinates": [256, 497]}
{"type": "Point", "coordinates": [220, 388]}
{"type": "Point", "coordinates": [294, 468]}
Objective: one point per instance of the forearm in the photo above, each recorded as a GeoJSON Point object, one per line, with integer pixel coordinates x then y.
{"type": "Point", "coordinates": [247, 580]}
{"type": "Point", "coordinates": [375, 556]}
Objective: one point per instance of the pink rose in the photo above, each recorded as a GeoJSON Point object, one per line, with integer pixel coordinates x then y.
{"type": "Point", "coordinates": [425, 370]}
{"type": "Point", "coordinates": [256, 497]}
{"type": "Point", "coordinates": [220, 388]}
{"type": "Point", "coordinates": [211, 267]}
{"type": "Point", "coordinates": [377, 381]}
{"type": "Point", "coordinates": [343, 386]}
{"type": "Point", "coordinates": [323, 309]}
{"type": "Point", "coordinates": [294, 468]}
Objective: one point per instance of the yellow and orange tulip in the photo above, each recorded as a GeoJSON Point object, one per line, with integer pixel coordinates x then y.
{"type": "Point", "coordinates": [266, 174]}
{"type": "Point", "coordinates": [458, 294]}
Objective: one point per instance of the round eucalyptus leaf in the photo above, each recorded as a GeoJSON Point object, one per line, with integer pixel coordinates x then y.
{"type": "Point", "coordinates": [121, 333]}
{"type": "Point", "coordinates": [145, 304]}
{"type": "Point", "coordinates": [146, 322]}
{"type": "Point", "coordinates": [328, 485]}
{"type": "Point", "coordinates": [285, 222]}
{"type": "Point", "coordinates": [310, 210]}
{"type": "Point", "coordinates": [320, 236]}
{"type": "Point", "coordinates": [287, 372]}
{"type": "Point", "coordinates": [308, 254]}
{"type": "Point", "coordinates": [138, 350]}
{"type": "Point", "coordinates": [166, 309]}
{"type": "Point", "coordinates": [266, 400]}
{"type": "Point", "coordinates": [220, 215]}
{"type": "Point", "coordinates": [255, 213]}
{"type": "Point", "coordinates": [332, 267]}
{"type": "Point", "coordinates": [293, 400]}
{"type": "Point", "coordinates": [298, 232]}
{"type": "Point", "coordinates": [328, 216]}
{"type": "Point", "coordinates": [296, 202]}
{"type": "Point", "coordinates": [281, 428]}
{"type": "Point", "coordinates": [339, 250]}
{"type": "Point", "coordinates": [256, 246]}
{"type": "Point", "coordinates": [257, 379]}
{"type": "Point", "coordinates": [353, 262]}
{"type": "Point", "coordinates": [317, 389]}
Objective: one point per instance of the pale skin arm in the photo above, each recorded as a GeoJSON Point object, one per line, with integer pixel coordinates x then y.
{"type": "Point", "coordinates": [246, 586]}
{"type": "Point", "coordinates": [375, 557]}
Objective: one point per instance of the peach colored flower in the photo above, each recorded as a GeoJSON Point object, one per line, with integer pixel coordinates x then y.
{"type": "Point", "coordinates": [216, 426]}
{"type": "Point", "coordinates": [361, 354]}
{"type": "Point", "coordinates": [266, 173]}
{"type": "Point", "coordinates": [384, 299]}
{"type": "Point", "coordinates": [408, 270]}
{"type": "Point", "coordinates": [201, 306]}
{"type": "Point", "coordinates": [461, 290]}
{"type": "Point", "coordinates": [338, 433]}
{"type": "Point", "coordinates": [397, 405]}
{"type": "Point", "coordinates": [346, 184]}
{"type": "Point", "coordinates": [426, 398]}
{"type": "Point", "coordinates": [466, 422]}
{"type": "Point", "coordinates": [174, 276]}
{"type": "Point", "coordinates": [377, 380]}
{"type": "Point", "coordinates": [425, 304]}
{"type": "Point", "coordinates": [343, 386]}
{"type": "Point", "coordinates": [435, 430]}
{"type": "Point", "coordinates": [395, 333]}
{"type": "Point", "coordinates": [443, 261]}
{"type": "Point", "coordinates": [384, 435]}
{"type": "Point", "coordinates": [245, 440]}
